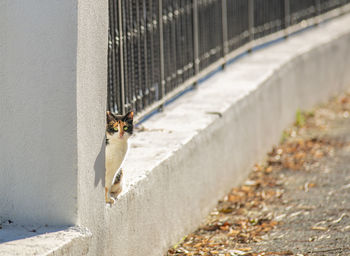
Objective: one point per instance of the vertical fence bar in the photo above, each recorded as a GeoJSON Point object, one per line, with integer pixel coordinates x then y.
{"type": "Point", "coordinates": [121, 58]}
{"type": "Point", "coordinates": [195, 39]}
{"type": "Point", "coordinates": [138, 92]}
{"type": "Point", "coordinates": [161, 50]}
{"type": "Point", "coordinates": [111, 61]}
{"type": "Point", "coordinates": [343, 3]}
{"type": "Point", "coordinates": [224, 30]}
{"type": "Point", "coordinates": [318, 11]}
{"type": "Point", "coordinates": [286, 17]}
{"type": "Point", "coordinates": [251, 23]}
{"type": "Point", "coordinates": [144, 31]}
{"type": "Point", "coordinates": [174, 58]}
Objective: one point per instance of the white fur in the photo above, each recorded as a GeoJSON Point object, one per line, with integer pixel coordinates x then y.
{"type": "Point", "coordinates": [116, 151]}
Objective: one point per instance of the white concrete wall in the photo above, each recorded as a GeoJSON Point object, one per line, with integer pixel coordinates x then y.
{"type": "Point", "coordinates": [91, 102]}
{"type": "Point", "coordinates": [38, 151]}
{"type": "Point", "coordinates": [53, 98]}
{"type": "Point", "coordinates": [187, 158]}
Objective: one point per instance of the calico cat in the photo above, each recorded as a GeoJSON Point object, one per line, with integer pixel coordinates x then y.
{"type": "Point", "coordinates": [118, 130]}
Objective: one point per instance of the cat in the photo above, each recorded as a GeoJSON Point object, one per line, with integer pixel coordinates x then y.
{"type": "Point", "coordinates": [118, 130]}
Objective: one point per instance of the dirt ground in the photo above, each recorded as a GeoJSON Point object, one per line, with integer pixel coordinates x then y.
{"type": "Point", "coordinates": [295, 203]}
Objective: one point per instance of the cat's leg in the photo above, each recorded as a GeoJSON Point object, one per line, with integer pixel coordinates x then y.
{"type": "Point", "coordinates": [108, 184]}
{"type": "Point", "coordinates": [108, 198]}
{"type": "Point", "coordinates": [117, 185]}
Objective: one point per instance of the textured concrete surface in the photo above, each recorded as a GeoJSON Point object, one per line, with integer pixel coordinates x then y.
{"type": "Point", "coordinates": [294, 202]}
{"type": "Point", "coordinates": [187, 157]}
{"type": "Point", "coordinates": [38, 151]}
{"type": "Point", "coordinates": [315, 219]}
{"type": "Point", "coordinates": [53, 76]}
{"type": "Point", "coordinates": [91, 124]}
{"type": "Point", "coordinates": [41, 240]}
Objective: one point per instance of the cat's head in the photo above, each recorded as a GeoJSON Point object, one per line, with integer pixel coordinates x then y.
{"type": "Point", "coordinates": [119, 126]}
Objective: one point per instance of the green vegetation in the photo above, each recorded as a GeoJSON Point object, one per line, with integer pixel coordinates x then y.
{"type": "Point", "coordinates": [300, 118]}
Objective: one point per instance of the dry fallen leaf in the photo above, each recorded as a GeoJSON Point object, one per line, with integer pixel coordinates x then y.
{"type": "Point", "coordinates": [241, 217]}
{"type": "Point", "coordinates": [319, 228]}
{"type": "Point", "coordinates": [247, 249]}
{"type": "Point", "coordinates": [278, 253]}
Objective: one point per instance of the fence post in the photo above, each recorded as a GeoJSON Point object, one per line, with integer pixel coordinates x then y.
{"type": "Point", "coordinates": [286, 18]}
{"type": "Point", "coordinates": [195, 41]}
{"type": "Point", "coordinates": [121, 58]}
{"type": "Point", "coordinates": [161, 46]}
{"type": "Point", "coordinates": [251, 23]}
{"type": "Point", "coordinates": [224, 30]}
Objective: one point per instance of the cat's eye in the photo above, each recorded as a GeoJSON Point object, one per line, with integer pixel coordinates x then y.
{"type": "Point", "coordinates": [115, 128]}
{"type": "Point", "coordinates": [125, 128]}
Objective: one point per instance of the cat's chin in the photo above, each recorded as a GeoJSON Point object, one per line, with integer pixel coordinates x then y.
{"type": "Point", "coordinates": [124, 137]}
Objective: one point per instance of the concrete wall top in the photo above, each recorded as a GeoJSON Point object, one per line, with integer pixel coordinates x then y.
{"type": "Point", "coordinates": [203, 144]}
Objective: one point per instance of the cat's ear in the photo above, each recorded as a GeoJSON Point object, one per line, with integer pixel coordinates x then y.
{"type": "Point", "coordinates": [129, 116]}
{"type": "Point", "coordinates": [110, 117]}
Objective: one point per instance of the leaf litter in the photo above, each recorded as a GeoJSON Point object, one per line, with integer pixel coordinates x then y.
{"type": "Point", "coordinates": [242, 217]}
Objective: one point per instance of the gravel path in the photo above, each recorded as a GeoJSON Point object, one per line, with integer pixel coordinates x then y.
{"type": "Point", "coordinates": [295, 203]}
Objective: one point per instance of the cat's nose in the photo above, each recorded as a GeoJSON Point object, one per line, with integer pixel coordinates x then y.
{"type": "Point", "coordinates": [121, 134]}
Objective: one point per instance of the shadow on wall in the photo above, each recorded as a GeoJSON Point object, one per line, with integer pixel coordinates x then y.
{"type": "Point", "coordinates": [11, 232]}
{"type": "Point", "coordinates": [99, 165]}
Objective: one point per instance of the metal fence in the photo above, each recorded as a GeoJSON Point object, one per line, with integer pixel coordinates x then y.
{"type": "Point", "coordinates": [158, 48]}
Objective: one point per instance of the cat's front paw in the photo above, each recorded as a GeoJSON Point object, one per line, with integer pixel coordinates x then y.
{"type": "Point", "coordinates": [110, 201]}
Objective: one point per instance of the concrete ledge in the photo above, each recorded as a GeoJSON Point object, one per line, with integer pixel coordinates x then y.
{"type": "Point", "coordinates": [34, 240]}
{"type": "Point", "coordinates": [203, 144]}
{"type": "Point", "coordinates": [190, 155]}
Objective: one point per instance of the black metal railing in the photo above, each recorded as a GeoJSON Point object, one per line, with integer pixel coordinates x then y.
{"type": "Point", "coordinates": [157, 48]}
